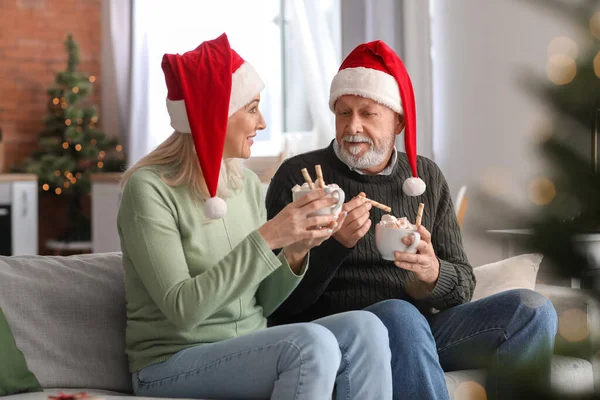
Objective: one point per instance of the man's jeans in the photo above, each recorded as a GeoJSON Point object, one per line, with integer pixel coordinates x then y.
{"type": "Point", "coordinates": [510, 333]}
{"type": "Point", "coordinates": [298, 361]}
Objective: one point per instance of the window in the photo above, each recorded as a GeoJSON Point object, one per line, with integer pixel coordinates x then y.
{"type": "Point", "coordinates": [284, 51]}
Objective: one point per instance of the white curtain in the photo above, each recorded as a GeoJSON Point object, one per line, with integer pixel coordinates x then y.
{"type": "Point", "coordinates": [115, 49]}
{"type": "Point", "coordinates": [139, 112]}
{"type": "Point", "coordinates": [134, 39]}
{"type": "Point", "coordinates": [320, 60]}
{"type": "Point", "coordinates": [125, 73]}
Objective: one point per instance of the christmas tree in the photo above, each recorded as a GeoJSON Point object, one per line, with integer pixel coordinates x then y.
{"type": "Point", "coordinates": [71, 147]}
{"type": "Point", "coordinates": [569, 196]}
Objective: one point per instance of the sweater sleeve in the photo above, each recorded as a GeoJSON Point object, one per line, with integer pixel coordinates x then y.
{"type": "Point", "coordinates": [277, 286]}
{"type": "Point", "coordinates": [456, 280]}
{"type": "Point", "coordinates": [329, 255]}
{"type": "Point", "coordinates": [148, 227]}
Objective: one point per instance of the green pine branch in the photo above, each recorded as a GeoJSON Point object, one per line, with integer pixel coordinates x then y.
{"type": "Point", "coordinates": [71, 146]}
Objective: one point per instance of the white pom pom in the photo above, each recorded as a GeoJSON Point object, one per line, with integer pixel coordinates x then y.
{"type": "Point", "coordinates": [413, 187]}
{"type": "Point", "coordinates": [215, 208]}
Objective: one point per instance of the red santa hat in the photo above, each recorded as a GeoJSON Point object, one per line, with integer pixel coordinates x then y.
{"type": "Point", "coordinates": [205, 87]}
{"type": "Point", "coordinates": [374, 71]}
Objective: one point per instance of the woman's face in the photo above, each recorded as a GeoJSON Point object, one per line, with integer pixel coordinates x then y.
{"type": "Point", "coordinates": [241, 130]}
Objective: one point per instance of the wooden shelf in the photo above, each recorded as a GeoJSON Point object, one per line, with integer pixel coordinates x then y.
{"type": "Point", "coordinates": [17, 177]}
{"type": "Point", "coordinates": [108, 177]}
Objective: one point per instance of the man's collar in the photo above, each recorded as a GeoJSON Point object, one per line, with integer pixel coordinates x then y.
{"type": "Point", "coordinates": [386, 171]}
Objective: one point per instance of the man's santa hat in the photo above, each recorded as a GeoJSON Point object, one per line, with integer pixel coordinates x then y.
{"type": "Point", "coordinates": [373, 70]}
{"type": "Point", "coordinates": [205, 87]}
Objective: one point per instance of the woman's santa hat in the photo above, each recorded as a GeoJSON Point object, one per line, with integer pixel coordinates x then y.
{"type": "Point", "coordinates": [373, 70]}
{"type": "Point", "coordinates": [205, 87]}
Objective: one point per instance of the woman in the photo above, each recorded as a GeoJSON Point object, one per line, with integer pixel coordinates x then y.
{"type": "Point", "coordinates": [200, 272]}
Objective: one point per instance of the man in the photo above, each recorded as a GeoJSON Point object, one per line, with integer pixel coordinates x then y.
{"type": "Point", "coordinates": [423, 298]}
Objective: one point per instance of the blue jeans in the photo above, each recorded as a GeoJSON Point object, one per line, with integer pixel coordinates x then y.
{"type": "Point", "coordinates": [298, 361]}
{"type": "Point", "coordinates": [511, 334]}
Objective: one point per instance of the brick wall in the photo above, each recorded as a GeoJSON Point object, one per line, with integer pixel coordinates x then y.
{"type": "Point", "coordinates": [32, 36]}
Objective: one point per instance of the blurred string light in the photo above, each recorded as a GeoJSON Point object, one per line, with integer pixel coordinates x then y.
{"type": "Point", "coordinates": [470, 390]}
{"type": "Point", "coordinates": [573, 325]}
{"type": "Point", "coordinates": [541, 191]}
{"type": "Point", "coordinates": [561, 67]}
{"type": "Point", "coordinates": [563, 45]}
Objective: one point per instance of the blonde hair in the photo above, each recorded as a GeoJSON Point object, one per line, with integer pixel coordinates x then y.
{"type": "Point", "coordinates": [176, 161]}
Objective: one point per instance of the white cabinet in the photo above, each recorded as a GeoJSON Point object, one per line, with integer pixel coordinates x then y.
{"type": "Point", "coordinates": [18, 214]}
{"type": "Point", "coordinates": [105, 206]}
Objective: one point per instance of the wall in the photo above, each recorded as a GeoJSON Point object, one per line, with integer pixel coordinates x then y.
{"type": "Point", "coordinates": [483, 118]}
{"type": "Point", "coordinates": [32, 35]}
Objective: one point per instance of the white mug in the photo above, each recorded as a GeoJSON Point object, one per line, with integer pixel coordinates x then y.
{"type": "Point", "coordinates": [389, 240]}
{"type": "Point", "coordinates": [335, 209]}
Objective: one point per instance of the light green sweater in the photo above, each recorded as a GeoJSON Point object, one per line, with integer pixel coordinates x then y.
{"type": "Point", "coordinates": [190, 280]}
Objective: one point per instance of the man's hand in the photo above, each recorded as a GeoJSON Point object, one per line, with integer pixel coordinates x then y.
{"type": "Point", "coordinates": [357, 222]}
{"type": "Point", "coordinates": [424, 264]}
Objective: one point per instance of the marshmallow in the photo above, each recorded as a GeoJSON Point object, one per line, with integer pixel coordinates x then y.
{"type": "Point", "coordinates": [389, 221]}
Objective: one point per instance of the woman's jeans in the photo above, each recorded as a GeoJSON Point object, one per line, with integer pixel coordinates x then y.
{"type": "Point", "coordinates": [291, 362]}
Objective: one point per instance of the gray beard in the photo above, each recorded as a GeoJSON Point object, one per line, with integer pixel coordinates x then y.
{"type": "Point", "coordinates": [370, 159]}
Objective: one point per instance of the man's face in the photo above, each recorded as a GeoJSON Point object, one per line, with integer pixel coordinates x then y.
{"type": "Point", "coordinates": [366, 132]}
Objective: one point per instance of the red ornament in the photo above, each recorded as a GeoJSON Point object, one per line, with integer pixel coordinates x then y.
{"type": "Point", "coordinates": [64, 396]}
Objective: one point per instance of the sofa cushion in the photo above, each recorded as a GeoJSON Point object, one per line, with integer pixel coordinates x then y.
{"type": "Point", "coordinates": [466, 384]}
{"type": "Point", "coordinates": [572, 375]}
{"type": "Point", "coordinates": [517, 272]}
{"type": "Point", "coordinates": [15, 377]}
{"type": "Point", "coordinates": [93, 395]}
{"type": "Point", "coordinates": [68, 318]}
{"type": "Point", "coordinates": [569, 375]}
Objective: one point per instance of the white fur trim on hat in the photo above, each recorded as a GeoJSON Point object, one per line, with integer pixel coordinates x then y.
{"type": "Point", "coordinates": [179, 119]}
{"type": "Point", "coordinates": [413, 186]}
{"type": "Point", "coordinates": [245, 84]}
{"type": "Point", "coordinates": [368, 83]}
{"type": "Point", "coordinates": [215, 208]}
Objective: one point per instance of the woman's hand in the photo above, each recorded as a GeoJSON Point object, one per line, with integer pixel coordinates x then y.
{"type": "Point", "coordinates": [296, 252]}
{"type": "Point", "coordinates": [293, 225]}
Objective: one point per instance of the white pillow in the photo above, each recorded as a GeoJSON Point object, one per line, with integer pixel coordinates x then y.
{"type": "Point", "coordinates": [519, 272]}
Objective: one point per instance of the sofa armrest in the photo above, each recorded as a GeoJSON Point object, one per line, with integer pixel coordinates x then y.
{"type": "Point", "coordinates": [578, 314]}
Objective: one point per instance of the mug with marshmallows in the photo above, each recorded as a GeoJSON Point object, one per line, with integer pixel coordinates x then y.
{"type": "Point", "coordinates": [389, 233]}
{"type": "Point", "coordinates": [335, 191]}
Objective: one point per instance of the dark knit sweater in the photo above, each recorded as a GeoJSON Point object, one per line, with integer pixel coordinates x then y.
{"type": "Point", "coordinates": [341, 279]}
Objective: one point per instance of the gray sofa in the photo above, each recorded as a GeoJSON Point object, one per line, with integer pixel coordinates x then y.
{"type": "Point", "coordinates": [68, 318]}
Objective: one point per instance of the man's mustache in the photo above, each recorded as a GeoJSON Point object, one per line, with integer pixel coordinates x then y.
{"type": "Point", "coordinates": [357, 139]}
